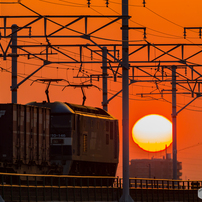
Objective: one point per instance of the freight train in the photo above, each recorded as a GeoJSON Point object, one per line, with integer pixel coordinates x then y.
{"type": "Point", "coordinates": [58, 138]}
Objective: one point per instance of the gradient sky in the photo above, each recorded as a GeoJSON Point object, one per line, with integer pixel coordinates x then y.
{"type": "Point", "coordinates": [164, 22]}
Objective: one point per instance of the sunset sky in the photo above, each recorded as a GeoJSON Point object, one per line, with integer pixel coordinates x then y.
{"type": "Point", "coordinates": [164, 22]}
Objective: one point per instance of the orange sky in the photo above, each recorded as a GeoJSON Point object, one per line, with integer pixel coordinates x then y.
{"type": "Point", "coordinates": [164, 21]}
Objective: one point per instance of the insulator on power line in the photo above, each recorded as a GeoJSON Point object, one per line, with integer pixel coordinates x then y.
{"type": "Point", "coordinates": [145, 34]}
{"type": "Point", "coordinates": [184, 33]}
{"type": "Point", "coordinates": [91, 56]}
{"type": "Point", "coordinates": [30, 32]}
{"type": "Point", "coordinates": [144, 3]}
{"type": "Point", "coordinates": [107, 3]}
{"type": "Point", "coordinates": [88, 3]}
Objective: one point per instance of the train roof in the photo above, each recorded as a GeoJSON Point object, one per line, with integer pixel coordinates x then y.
{"type": "Point", "coordinates": [87, 109]}
{"type": "Point", "coordinates": [64, 107]}
{"type": "Point", "coordinates": [56, 107]}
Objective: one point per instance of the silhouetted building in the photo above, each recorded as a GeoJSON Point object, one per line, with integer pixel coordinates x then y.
{"type": "Point", "coordinates": [154, 168]}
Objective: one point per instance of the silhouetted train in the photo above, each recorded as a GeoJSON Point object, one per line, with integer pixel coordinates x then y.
{"type": "Point", "coordinates": [58, 138]}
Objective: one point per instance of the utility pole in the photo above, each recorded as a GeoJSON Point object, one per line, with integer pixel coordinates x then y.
{"type": "Point", "coordinates": [14, 63]}
{"type": "Point", "coordinates": [174, 116]}
{"type": "Point", "coordinates": [104, 80]}
{"type": "Point", "coordinates": [125, 103]}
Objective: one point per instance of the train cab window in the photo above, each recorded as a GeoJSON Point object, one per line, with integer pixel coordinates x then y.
{"type": "Point", "coordinates": [85, 145]}
{"type": "Point", "coordinates": [111, 130]}
{"type": "Point", "coordinates": [107, 126]}
{"type": "Point", "coordinates": [61, 120]}
{"type": "Point", "coordinates": [107, 139]}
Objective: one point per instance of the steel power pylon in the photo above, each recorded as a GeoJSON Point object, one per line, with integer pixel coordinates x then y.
{"type": "Point", "coordinates": [125, 102]}
{"type": "Point", "coordinates": [191, 86]}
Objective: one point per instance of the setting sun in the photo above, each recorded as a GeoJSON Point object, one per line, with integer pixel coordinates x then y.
{"type": "Point", "coordinates": [152, 133]}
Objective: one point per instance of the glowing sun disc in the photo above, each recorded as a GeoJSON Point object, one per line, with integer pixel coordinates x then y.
{"type": "Point", "coordinates": [152, 132]}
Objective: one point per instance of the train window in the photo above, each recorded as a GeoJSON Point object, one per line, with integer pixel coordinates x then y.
{"type": "Point", "coordinates": [107, 139]}
{"type": "Point", "coordinates": [111, 130]}
{"type": "Point", "coordinates": [85, 146]}
{"type": "Point", "coordinates": [107, 126]}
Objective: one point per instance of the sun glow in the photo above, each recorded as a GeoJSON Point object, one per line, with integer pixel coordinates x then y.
{"type": "Point", "coordinates": [152, 133]}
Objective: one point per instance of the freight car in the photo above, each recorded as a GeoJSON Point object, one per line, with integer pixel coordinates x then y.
{"type": "Point", "coordinates": [24, 138]}
{"type": "Point", "coordinates": [82, 140]}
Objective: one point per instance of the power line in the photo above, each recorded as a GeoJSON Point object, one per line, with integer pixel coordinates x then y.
{"type": "Point", "coordinates": [96, 11]}
{"type": "Point", "coordinates": [163, 17]}
{"type": "Point", "coordinates": [150, 28]}
{"type": "Point", "coordinates": [195, 145]}
{"type": "Point", "coordinates": [121, 4]}
{"type": "Point", "coordinates": [69, 3]}
{"type": "Point", "coordinates": [14, 2]}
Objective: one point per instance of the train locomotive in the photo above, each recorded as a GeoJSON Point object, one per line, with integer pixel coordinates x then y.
{"type": "Point", "coordinates": [58, 138]}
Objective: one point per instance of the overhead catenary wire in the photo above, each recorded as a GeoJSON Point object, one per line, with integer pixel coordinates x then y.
{"type": "Point", "coordinates": [121, 4]}
{"type": "Point", "coordinates": [170, 21]}
{"type": "Point", "coordinates": [69, 3]}
{"type": "Point", "coordinates": [171, 36]}
{"type": "Point", "coordinates": [110, 91]}
{"type": "Point", "coordinates": [195, 145]}
{"type": "Point", "coordinates": [85, 5]}
{"type": "Point", "coordinates": [102, 38]}
{"type": "Point", "coordinates": [151, 98]}
{"type": "Point", "coordinates": [93, 36]}
{"type": "Point", "coordinates": [9, 2]}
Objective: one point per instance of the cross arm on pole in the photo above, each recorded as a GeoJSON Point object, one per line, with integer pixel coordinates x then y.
{"type": "Point", "coordinates": [31, 54]}
{"type": "Point", "coordinates": [25, 26]}
{"type": "Point", "coordinates": [191, 67]}
{"type": "Point", "coordinates": [116, 94]}
{"type": "Point", "coordinates": [15, 87]}
{"type": "Point", "coordinates": [118, 18]}
{"type": "Point", "coordinates": [198, 95]}
{"type": "Point", "coordinates": [74, 21]}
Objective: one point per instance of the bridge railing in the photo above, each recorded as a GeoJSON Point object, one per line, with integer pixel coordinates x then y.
{"type": "Point", "coordinates": [149, 183]}
{"type": "Point", "coordinates": [57, 187]}
{"type": "Point", "coordinates": [28, 187]}
{"type": "Point", "coordinates": [13, 179]}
